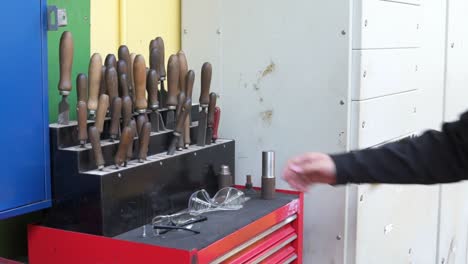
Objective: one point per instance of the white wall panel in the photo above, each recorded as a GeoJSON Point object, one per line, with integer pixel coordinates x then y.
{"type": "Point", "coordinates": [283, 78]}
{"type": "Point", "coordinates": [385, 24]}
{"type": "Point", "coordinates": [384, 71]}
{"type": "Point", "coordinates": [201, 40]}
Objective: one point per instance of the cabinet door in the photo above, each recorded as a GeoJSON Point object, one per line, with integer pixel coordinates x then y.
{"type": "Point", "coordinates": [385, 24]}
{"type": "Point", "coordinates": [24, 167]}
{"type": "Point", "coordinates": [381, 119]}
{"type": "Point", "coordinates": [382, 72]}
{"type": "Point", "coordinates": [453, 227]}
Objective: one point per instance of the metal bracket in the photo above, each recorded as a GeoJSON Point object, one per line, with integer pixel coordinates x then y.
{"type": "Point", "coordinates": [56, 18]}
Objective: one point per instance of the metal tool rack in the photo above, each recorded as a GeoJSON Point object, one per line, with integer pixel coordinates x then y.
{"type": "Point", "coordinates": [25, 176]}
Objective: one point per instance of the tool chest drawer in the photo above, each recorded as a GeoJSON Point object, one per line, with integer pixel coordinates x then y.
{"type": "Point", "coordinates": [383, 72]}
{"type": "Point", "coordinates": [382, 119]}
{"type": "Point", "coordinates": [385, 24]}
{"type": "Point", "coordinates": [25, 176]}
{"type": "Point", "coordinates": [263, 231]}
{"type": "Point", "coordinates": [268, 246]}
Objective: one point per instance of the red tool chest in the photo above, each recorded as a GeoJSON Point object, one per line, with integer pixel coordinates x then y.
{"type": "Point", "coordinates": [269, 234]}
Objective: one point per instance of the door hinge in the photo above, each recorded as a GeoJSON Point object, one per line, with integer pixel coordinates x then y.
{"type": "Point", "coordinates": [56, 17]}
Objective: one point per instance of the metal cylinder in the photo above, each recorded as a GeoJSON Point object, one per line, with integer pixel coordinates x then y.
{"type": "Point", "coordinates": [224, 177]}
{"type": "Point", "coordinates": [268, 175]}
{"type": "Point", "coordinates": [268, 188]}
{"type": "Point", "coordinates": [268, 164]}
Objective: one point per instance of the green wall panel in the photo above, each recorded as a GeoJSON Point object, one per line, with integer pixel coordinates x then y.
{"type": "Point", "coordinates": [79, 25]}
{"type": "Point", "coordinates": [13, 240]}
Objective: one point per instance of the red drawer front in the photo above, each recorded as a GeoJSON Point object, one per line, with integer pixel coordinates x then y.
{"type": "Point", "coordinates": [284, 255]}
{"type": "Point", "coordinates": [262, 246]}
{"type": "Point", "coordinates": [55, 246]}
{"type": "Point", "coordinates": [260, 258]}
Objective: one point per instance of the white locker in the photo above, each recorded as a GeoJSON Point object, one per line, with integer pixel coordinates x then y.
{"type": "Point", "coordinates": [289, 75]}
{"type": "Point", "coordinates": [381, 119]}
{"type": "Point", "coordinates": [380, 72]}
{"type": "Point", "coordinates": [453, 241]}
{"type": "Point", "coordinates": [381, 24]}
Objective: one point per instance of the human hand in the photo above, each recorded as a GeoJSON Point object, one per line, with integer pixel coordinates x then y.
{"type": "Point", "coordinates": [309, 168]}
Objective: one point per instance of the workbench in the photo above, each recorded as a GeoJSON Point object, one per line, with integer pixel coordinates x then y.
{"type": "Point", "coordinates": [266, 231]}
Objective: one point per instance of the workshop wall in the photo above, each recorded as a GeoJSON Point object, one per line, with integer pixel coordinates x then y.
{"type": "Point", "coordinates": [134, 23]}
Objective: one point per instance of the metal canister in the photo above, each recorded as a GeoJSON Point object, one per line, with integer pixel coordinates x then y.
{"type": "Point", "coordinates": [224, 177]}
{"type": "Point", "coordinates": [268, 175]}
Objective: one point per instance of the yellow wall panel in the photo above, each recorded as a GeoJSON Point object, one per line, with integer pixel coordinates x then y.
{"type": "Point", "coordinates": [134, 23]}
{"type": "Point", "coordinates": [104, 26]}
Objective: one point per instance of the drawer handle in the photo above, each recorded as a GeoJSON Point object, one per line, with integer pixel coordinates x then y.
{"type": "Point", "coordinates": [274, 249]}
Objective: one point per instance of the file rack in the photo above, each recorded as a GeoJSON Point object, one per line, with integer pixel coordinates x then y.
{"type": "Point", "coordinates": [112, 201]}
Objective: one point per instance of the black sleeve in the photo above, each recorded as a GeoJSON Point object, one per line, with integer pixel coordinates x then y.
{"type": "Point", "coordinates": [433, 157]}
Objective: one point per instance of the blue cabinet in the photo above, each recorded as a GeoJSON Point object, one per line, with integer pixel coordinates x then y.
{"type": "Point", "coordinates": [24, 135]}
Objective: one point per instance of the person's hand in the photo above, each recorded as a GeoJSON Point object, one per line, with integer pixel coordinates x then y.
{"type": "Point", "coordinates": [309, 168]}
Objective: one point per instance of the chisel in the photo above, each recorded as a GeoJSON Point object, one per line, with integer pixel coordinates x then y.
{"type": "Point", "coordinates": [139, 74]}
{"type": "Point", "coordinates": [94, 138]}
{"type": "Point", "coordinates": [65, 85]}
{"type": "Point", "coordinates": [110, 61]}
{"type": "Point", "coordinates": [141, 120]}
{"type": "Point", "coordinates": [190, 79]}
{"type": "Point", "coordinates": [183, 69]}
{"type": "Point", "coordinates": [152, 90]}
{"type": "Point", "coordinates": [180, 105]}
{"type": "Point", "coordinates": [124, 55]}
{"type": "Point", "coordinates": [82, 87]}
{"type": "Point", "coordinates": [132, 126]}
{"type": "Point", "coordinates": [153, 45]}
{"type": "Point", "coordinates": [122, 70]}
{"type": "Point", "coordinates": [125, 140]}
{"type": "Point", "coordinates": [112, 84]}
{"type": "Point", "coordinates": [116, 112]}
{"type": "Point", "coordinates": [102, 83]}
{"type": "Point", "coordinates": [173, 87]}
{"type": "Point", "coordinates": [155, 64]}
{"type": "Point", "coordinates": [211, 111]}
{"type": "Point", "coordinates": [180, 126]}
{"type": "Point", "coordinates": [144, 138]}
{"type": "Point", "coordinates": [217, 117]}
{"type": "Point", "coordinates": [82, 108]}
{"type": "Point", "coordinates": [101, 112]}
{"type": "Point", "coordinates": [123, 85]}
{"type": "Point", "coordinates": [82, 113]}
{"type": "Point", "coordinates": [127, 112]}
{"type": "Point", "coordinates": [160, 68]}
{"type": "Point", "coordinates": [132, 81]}
{"type": "Point", "coordinates": [154, 59]}
{"type": "Point", "coordinates": [141, 104]}
{"type": "Point", "coordinates": [94, 76]}
{"type": "Point", "coordinates": [204, 101]}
